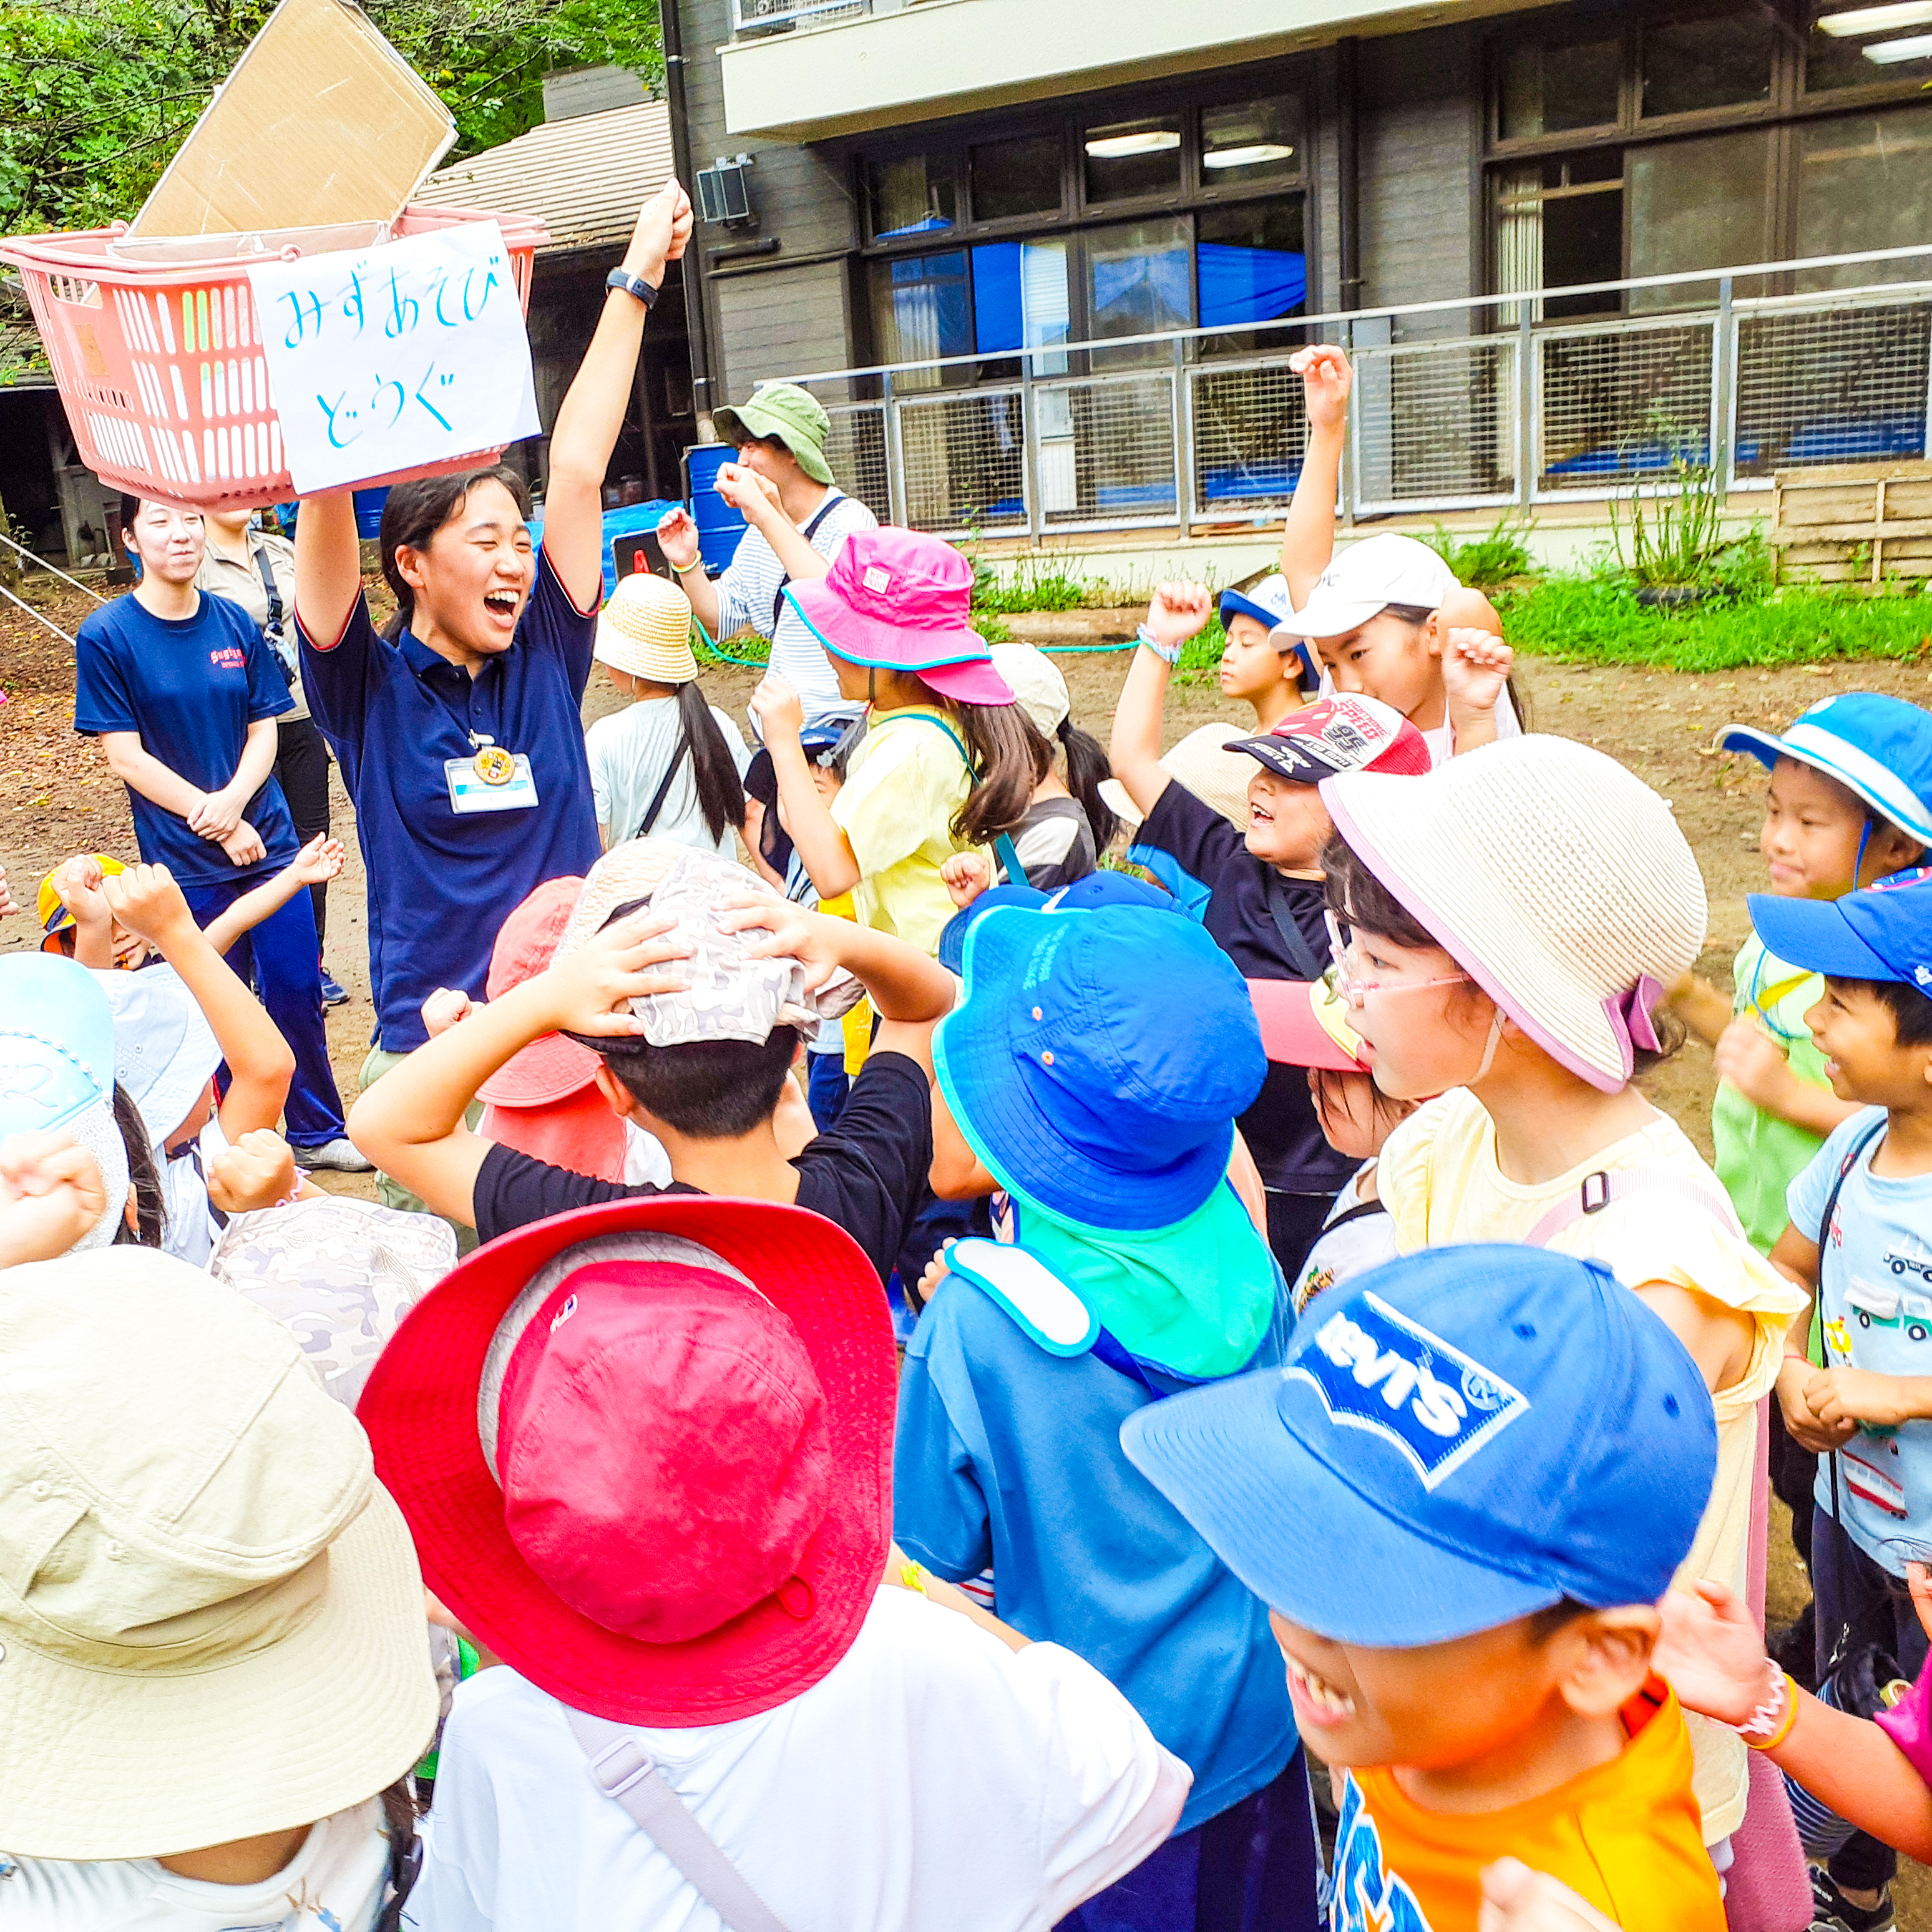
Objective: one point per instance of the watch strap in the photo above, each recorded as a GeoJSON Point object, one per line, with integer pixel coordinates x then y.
{"type": "Point", "coordinates": [631, 285]}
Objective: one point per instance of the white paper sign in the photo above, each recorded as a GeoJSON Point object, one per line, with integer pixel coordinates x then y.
{"type": "Point", "coordinates": [384, 358]}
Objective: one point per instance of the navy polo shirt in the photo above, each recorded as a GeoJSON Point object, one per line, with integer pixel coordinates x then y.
{"type": "Point", "coordinates": [191, 687]}
{"type": "Point", "coordinates": [440, 884]}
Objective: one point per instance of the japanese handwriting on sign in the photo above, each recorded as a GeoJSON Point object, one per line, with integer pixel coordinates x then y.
{"type": "Point", "coordinates": [387, 358]}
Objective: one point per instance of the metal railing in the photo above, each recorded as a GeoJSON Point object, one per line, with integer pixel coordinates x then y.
{"type": "Point", "coordinates": [757, 16]}
{"type": "Point", "coordinates": [1459, 404]}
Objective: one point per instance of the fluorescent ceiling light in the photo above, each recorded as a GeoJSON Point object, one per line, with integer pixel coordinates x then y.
{"type": "Point", "coordinates": [1252, 156]}
{"type": "Point", "coordinates": [1148, 141]}
{"type": "Point", "coordinates": [1915, 47]}
{"type": "Point", "coordinates": [1875, 19]}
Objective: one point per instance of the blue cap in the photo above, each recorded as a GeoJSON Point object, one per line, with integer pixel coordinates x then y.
{"type": "Point", "coordinates": [1879, 747]}
{"type": "Point", "coordinates": [1270, 603]}
{"type": "Point", "coordinates": [1104, 887]}
{"type": "Point", "coordinates": [1473, 1434]}
{"type": "Point", "coordinates": [1883, 932]}
{"type": "Point", "coordinates": [1097, 1064]}
{"type": "Point", "coordinates": [56, 1041]}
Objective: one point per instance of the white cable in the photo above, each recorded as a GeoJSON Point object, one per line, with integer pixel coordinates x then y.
{"type": "Point", "coordinates": [50, 569]}
{"type": "Point", "coordinates": [32, 613]}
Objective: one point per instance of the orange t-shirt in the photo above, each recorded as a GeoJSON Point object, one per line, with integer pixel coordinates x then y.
{"type": "Point", "coordinates": [1624, 1836]}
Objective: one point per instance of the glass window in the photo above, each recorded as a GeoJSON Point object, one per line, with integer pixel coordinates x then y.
{"type": "Point", "coordinates": [1724, 61]}
{"type": "Point", "coordinates": [1012, 177]}
{"type": "Point", "coordinates": [910, 194]}
{"type": "Point", "coordinates": [1255, 141]}
{"type": "Point", "coordinates": [1250, 265]}
{"type": "Point", "coordinates": [1697, 205]}
{"type": "Point", "coordinates": [1865, 46]}
{"type": "Point", "coordinates": [1550, 89]}
{"type": "Point", "coordinates": [1865, 181]}
{"type": "Point", "coordinates": [1129, 158]}
{"type": "Point", "coordinates": [1020, 300]}
{"type": "Point", "coordinates": [1556, 223]}
{"type": "Point", "coordinates": [920, 310]}
{"type": "Point", "coordinates": [1138, 282]}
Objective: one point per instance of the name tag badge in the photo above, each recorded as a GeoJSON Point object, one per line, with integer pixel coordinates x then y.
{"type": "Point", "coordinates": [472, 790]}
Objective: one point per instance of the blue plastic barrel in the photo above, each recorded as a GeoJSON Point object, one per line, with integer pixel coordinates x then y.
{"type": "Point", "coordinates": [369, 512]}
{"type": "Point", "coordinates": [719, 527]}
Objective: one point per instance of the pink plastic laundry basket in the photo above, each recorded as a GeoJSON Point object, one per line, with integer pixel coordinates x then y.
{"type": "Point", "coordinates": [157, 352]}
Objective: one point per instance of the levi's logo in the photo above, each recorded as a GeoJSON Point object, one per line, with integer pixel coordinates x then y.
{"type": "Point", "coordinates": [1375, 1370]}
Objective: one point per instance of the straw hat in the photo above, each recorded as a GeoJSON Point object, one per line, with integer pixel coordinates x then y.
{"type": "Point", "coordinates": [645, 629]}
{"type": "Point", "coordinates": [211, 1617]}
{"type": "Point", "coordinates": [1558, 881]}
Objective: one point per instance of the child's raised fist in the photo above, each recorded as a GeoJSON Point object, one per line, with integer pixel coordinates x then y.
{"type": "Point", "coordinates": [145, 900]}
{"type": "Point", "coordinates": [1179, 611]}
{"type": "Point", "coordinates": [259, 1171]}
{"type": "Point", "coordinates": [966, 875]}
{"type": "Point", "coordinates": [1475, 668]}
{"type": "Point", "coordinates": [1326, 380]}
{"type": "Point", "coordinates": [444, 1008]}
{"type": "Point", "coordinates": [51, 1195]}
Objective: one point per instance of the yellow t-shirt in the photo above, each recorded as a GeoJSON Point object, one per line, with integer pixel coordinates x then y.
{"type": "Point", "coordinates": [1439, 1179]}
{"type": "Point", "coordinates": [1623, 1836]}
{"type": "Point", "coordinates": [907, 780]}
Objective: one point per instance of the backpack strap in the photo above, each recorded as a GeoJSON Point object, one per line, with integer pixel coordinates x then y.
{"type": "Point", "coordinates": [626, 1773]}
{"type": "Point", "coordinates": [1039, 1304]}
{"type": "Point", "coordinates": [1302, 962]}
{"type": "Point", "coordinates": [1010, 859]}
{"type": "Point", "coordinates": [1599, 1190]}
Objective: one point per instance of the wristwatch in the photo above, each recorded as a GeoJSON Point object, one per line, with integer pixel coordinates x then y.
{"type": "Point", "coordinates": [631, 285]}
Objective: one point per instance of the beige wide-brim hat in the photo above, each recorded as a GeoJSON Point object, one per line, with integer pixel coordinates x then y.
{"type": "Point", "coordinates": [1557, 880]}
{"type": "Point", "coordinates": [211, 1614]}
{"type": "Point", "coordinates": [1038, 688]}
{"type": "Point", "coordinates": [645, 629]}
{"type": "Point", "coordinates": [1215, 775]}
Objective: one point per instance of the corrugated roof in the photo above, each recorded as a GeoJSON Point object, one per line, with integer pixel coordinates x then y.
{"type": "Point", "coordinates": [586, 177]}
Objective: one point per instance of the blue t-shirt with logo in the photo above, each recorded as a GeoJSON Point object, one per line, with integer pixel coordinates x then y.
{"type": "Point", "coordinates": [1008, 1456]}
{"type": "Point", "coordinates": [191, 687]}
{"type": "Point", "coordinates": [1875, 1312]}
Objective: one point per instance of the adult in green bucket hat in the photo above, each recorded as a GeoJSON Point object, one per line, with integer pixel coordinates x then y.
{"type": "Point", "coordinates": [798, 519]}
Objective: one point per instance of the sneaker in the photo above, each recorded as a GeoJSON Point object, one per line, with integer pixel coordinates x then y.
{"type": "Point", "coordinates": [332, 994]}
{"type": "Point", "coordinates": [339, 1155]}
{"type": "Point", "coordinates": [1832, 1911]}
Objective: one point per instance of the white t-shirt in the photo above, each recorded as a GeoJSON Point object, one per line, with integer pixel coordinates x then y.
{"type": "Point", "coordinates": [628, 751]}
{"type": "Point", "coordinates": [932, 1781]}
{"type": "Point", "coordinates": [191, 1231]}
{"type": "Point", "coordinates": [1441, 741]}
{"type": "Point", "coordinates": [335, 1883]}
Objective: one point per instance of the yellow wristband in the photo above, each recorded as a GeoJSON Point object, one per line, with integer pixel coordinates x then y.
{"type": "Point", "coordinates": [913, 1577]}
{"type": "Point", "coordinates": [1783, 1731]}
{"type": "Point", "coordinates": [685, 569]}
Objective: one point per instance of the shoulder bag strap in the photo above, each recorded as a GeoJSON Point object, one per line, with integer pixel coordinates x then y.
{"type": "Point", "coordinates": [1301, 954]}
{"type": "Point", "coordinates": [656, 806]}
{"type": "Point", "coordinates": [276, 635]}
{"type": "Point", "coordinates": [1826, 1222]}
{"type": "Point", "coordinates": [1010, 859]}
{"type": "Point", "coordinates": [1598, 1190]}
{"type": "Point", "coordinates": [627, 1774]}
{"type": "Point", "coordinates": [833, 497]}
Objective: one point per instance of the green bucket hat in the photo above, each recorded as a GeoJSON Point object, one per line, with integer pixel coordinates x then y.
{"type": "Point", "coordinates": [783, 410]}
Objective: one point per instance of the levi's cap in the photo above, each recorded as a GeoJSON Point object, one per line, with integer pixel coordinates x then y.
{"type": "Point", "coordinates": [1346, 733]}
{"type": "Point", "coordinates": [1368, 576]}
{"type": "Point", "coordinates": [1474, 1434]}
{"type": "Point", "coordinates": [1883, 932]}
{"type": "Point", "coordinates": [1878, 747]}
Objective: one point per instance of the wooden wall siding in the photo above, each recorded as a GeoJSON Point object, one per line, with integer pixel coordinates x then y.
{"type": "Point", "coordinates": [1417, 125]}
{"type": "Point", "coordinates": [781, 322]}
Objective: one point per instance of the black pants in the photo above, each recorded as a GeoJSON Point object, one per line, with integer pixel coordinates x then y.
{"type": "Point", "coordinates": [1294, 1225]}
{"type": "Point", "coordinates": [301, 764]}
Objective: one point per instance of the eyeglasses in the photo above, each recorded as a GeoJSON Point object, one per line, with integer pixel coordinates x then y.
{"type": "Point", "coordinates": [1352, 991]}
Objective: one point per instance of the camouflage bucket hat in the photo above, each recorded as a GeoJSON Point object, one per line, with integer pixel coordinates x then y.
{"type": "Point", "coordinates": [731, 992]}
{"type": "Point", "coordinates": [338, 1274]}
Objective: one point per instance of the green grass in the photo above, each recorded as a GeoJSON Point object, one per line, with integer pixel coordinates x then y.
{"type": "Point", "coordinates": [1483, 561]}
{"type": "Point", "coordinates": [1033, 586]}
{"type": "Point", "coordinates": [1598, 620]}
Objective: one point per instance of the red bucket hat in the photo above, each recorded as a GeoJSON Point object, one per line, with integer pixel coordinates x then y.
{"type": "Point", "coordinates": [899, 600]}
{"type": "Point", "coordinates": [645, 1449]}
{"type": "Point", "coordinates": [551, 1068]}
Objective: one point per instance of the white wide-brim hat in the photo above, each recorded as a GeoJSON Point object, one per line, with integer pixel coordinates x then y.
{"type": "Point", "coordinates": [1557, 880]}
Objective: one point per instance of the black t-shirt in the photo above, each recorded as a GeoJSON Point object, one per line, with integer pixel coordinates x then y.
{"type": "Point", "coordinates": [868, 1174]}
{"type": "Point", "coordinates": [1280, 1128]}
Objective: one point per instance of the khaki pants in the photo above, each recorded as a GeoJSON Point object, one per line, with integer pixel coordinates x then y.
{"type": "Point", "coordinates": [391, 1193]}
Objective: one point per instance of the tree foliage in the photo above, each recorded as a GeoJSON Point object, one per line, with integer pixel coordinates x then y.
{"type": "Point", "coordinates": [95, 95]}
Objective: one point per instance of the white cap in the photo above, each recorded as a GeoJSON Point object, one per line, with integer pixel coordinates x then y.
{"type": "Point", "coordinates": [1368, 576]}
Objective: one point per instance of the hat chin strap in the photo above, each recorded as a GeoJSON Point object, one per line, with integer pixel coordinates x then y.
{"type": "Point", "coordinates": [1488, 1047]}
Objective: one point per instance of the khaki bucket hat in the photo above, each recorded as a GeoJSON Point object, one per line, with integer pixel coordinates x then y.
{"type": "Point", "coordinates": [645, 629]}
{"type": "Point", "coordinates": [1557, 880]}
{"type": "Point", "coordinates": [210, 1616]}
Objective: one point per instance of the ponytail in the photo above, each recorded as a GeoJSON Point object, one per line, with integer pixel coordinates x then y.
{"type": "Point", "coordinates": [1086, 766]}
{"type": "Point", "coordinates": [1007, 766]}
{"type": "Point", "coordinates": [721, 793]}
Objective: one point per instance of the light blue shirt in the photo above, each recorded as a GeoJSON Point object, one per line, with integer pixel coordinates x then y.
{"type": "Point", "coordinates": [1008, 1456]}
{"type": "Point", "coordinates": [1875, 1307]}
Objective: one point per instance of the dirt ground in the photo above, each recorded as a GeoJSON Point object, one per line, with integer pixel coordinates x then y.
{"type": "Point", "coordinates": [57, 797]}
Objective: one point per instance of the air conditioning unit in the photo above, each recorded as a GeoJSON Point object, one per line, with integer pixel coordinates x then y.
{"type": "Point", "coordinates": [725, 191]}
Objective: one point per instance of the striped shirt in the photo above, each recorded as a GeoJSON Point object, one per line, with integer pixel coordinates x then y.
{"type": "Point", "coordinates": [748, 598]}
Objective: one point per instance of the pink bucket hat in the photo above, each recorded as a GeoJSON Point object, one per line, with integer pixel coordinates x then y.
{"type": "Point", "coordinates": [899, 600]}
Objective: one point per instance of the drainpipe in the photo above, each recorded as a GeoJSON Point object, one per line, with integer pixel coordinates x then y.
{"type": "Point", "coordinates": [1348, 205]}
{"type": "Point", "coordinates": [694, 288]}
